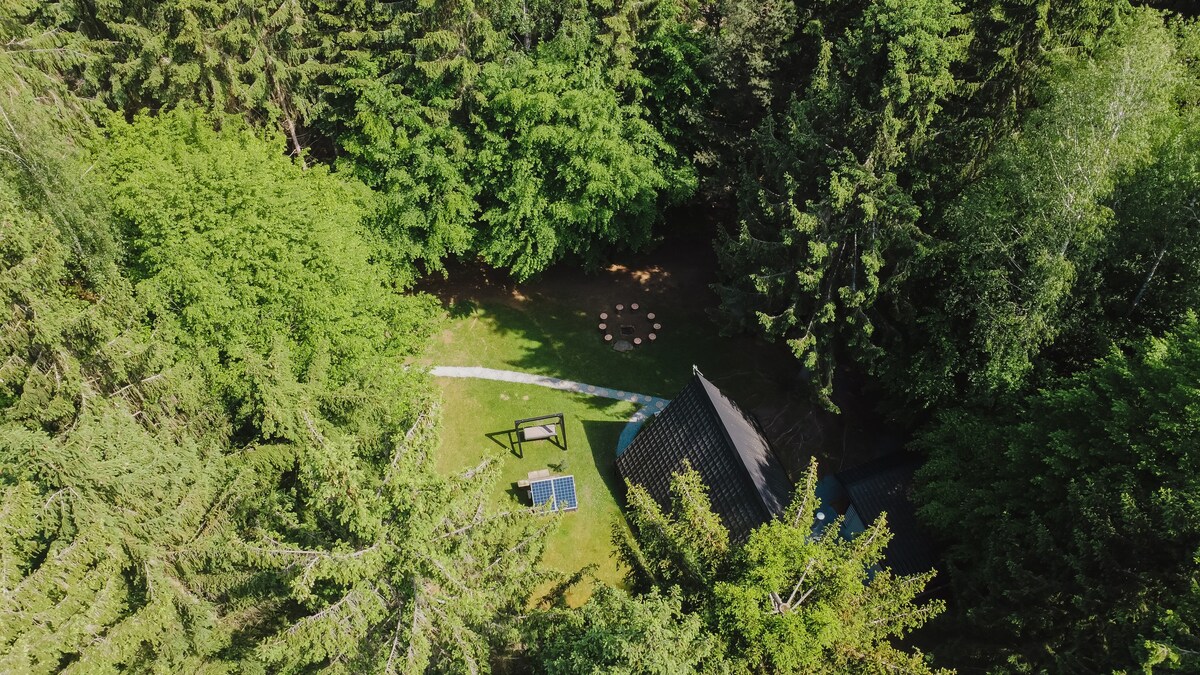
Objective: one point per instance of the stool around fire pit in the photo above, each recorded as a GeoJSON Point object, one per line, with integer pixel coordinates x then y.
{"type": "Point", "coordinates": [629, 326]}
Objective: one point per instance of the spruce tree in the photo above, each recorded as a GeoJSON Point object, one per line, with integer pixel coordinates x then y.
{"type": "Point", "coordinates": [788, 600]}
{"type": "Point", "coordinates": [1072, 514]}
{"type": "Point", "coordinates": [826, 211]}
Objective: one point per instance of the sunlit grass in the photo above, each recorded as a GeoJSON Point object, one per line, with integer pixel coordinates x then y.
{"type": "Point", "coordinates": [475, 408]}
{"type": "Point", "coordinates": [551, 335]}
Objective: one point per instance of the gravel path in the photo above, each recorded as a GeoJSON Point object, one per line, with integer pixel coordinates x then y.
{"type": "Point", "coordinates": [650, 405]}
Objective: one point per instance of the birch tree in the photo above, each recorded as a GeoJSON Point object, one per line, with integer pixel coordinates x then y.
{"type": "Point", "coordinates": [1016, 240]}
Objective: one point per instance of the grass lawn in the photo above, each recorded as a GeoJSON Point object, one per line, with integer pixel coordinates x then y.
{"type": "Point", "coordinates": [552, 335]}
{"type": "Point", "coordinates": [545, 335]}
{"type": "Point", "coordinates": [475, 408]}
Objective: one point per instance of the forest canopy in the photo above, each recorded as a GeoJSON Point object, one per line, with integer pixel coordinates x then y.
{"type": "Point", "coordinates": [216, 454]}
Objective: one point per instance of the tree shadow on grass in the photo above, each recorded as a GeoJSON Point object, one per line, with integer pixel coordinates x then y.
{"type": "Point", "coordinates": [519, 495]}
{"type": "Point", "coordinates": [602, 436]}
{"type": "Point", "coordinates": [508, 443]}
{"type": "Point", "coordinates": [561, 340]}
{"type": "Point", "coordinates": [461, 308]}
{"type": "Point", "coordinates": [549, 326]}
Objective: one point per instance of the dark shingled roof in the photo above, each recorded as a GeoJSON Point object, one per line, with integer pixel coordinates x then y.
{"type": "Point", "coordinates": [884, 485]}
{"type": "Point", "coordinates": [746, 483]}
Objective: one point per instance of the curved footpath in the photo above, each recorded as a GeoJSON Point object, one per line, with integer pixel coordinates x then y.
{"type": "Point", "coordinates": [650, 404]}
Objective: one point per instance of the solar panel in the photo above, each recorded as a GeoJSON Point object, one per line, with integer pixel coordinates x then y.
{"type": "Point", "coordinates": [564, 493]}
{"type": "Point", "coordinates": [542, 492]}
{"type": "Point", "coordinates": [558, 493]}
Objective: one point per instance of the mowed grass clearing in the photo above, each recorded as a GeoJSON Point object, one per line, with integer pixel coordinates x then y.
{"type": "Point", "coordinates": [550, 328]}
{"type": "Point", "coordinates": [473, 409]}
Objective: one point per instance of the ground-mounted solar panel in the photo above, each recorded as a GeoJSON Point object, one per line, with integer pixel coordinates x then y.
{"type": "Point", "coordinates": [555, 494]}
{"type": "Point", "coordinates": [564, 493]}
{"type": "Point", "coordinates": [542, 492]}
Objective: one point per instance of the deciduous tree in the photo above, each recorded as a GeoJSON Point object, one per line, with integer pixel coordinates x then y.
{"type": "Point", "coordinates": [1016, 240]}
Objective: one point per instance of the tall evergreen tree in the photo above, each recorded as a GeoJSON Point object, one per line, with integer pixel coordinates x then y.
{"type": "Point", "coordinates": [616, 633]}
{"type": "Point", "coordinates": [343, 537]}
{"type": "Point", "coordinates": [827, 213]}
{"type": "Point", "coordinates": [525, 117]}
{"type": "Point", "coordinates": [238, 56]}
{"type": "Point", "coordinates": [1072, 514]}
{"type": "Point", "coordinates": [110, 450]}
{"type": "Point", "coordinates": [788, 600]}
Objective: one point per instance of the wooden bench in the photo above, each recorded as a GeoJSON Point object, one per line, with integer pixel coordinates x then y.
{"type": "Point", "coordinates": [533, 477]}
{"type": "Point", "coordinates": [539, 433]}
{"type": "Point", "coordinates": [542, 428]}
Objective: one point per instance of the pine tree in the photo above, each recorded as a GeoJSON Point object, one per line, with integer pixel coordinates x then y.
{"type": "Point", "coordinates": [616, 633]}
{"type": "Point", "coordinates": [418, 574]}
{"type": "Point", "coordinates": [685, 549]}
{"type": "Point", "coordinates": [238, 56]}
{"type": "Point", "coordinates": [788, 600]}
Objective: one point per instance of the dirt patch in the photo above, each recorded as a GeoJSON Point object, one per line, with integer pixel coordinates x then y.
{"type": "Point", "coordinates": [680, 272]}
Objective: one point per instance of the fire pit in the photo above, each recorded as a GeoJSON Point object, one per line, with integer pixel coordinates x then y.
{"type": "Point", "coordinates": [626, 326]}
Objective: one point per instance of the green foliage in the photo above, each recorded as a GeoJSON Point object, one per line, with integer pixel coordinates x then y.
{"type": "Point", "coordinates": [1017, 238]}
{"type": "Point", "coordinates": [109, 449]}
{"type": "Point", "coordinates": [1015, 42]}
{"type": "Point", "coordinates": [1081, 501]}
{"type": "Point", "coordinates": [616, 633]}
{"type": "Point", "coordinates": [109, 464]}
{"type": "Point", "coordinates": [670, 53]}
{"type": "Point", "coordinates": [429, 106]}
{"type": "Point", "coordinates": [243, 56]}
{"type": "Point", "coordinates": [44, 127]}
{"type": "Point", "coordinates": [392, 78]}
{"type": "Point", "coordinates": [1146, 272]}
{"type": "Point", "coordinates": [258, 269]}
{"type": "Point", "coordinates": [542, 138]}
{"type": "Point", "coordinates": [213, 458]}
{"type": "Point", "coordinates": [563, 166]}
{"type": "Point", "coordinates": [685, 549]}
{"type": "Point", "coordinates": [787, 600]}
{"type": "Point", "coordinates": [749, 64]}
{"type": "Point", "coordinates": [222, 465]}
{"type": "Point", "coordinates": [818, 240]}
